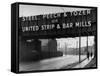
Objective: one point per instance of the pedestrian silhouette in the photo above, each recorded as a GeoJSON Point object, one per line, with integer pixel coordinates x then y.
{"type": "Point", "coordinates": [91, 54]}
{"type": "Point", "coordinates": [88, 55]}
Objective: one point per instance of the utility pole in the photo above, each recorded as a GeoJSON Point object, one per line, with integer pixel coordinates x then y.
{"type": "Point", "coordinates": [76, 46]}
{"type": "Point", "coordinates": [65, 48]}
{"type": "Point", "coordinates": [79, 44]}
{"type": "Point", "coordinates": [79, 49]}
{"type": "Point", "coordinates": [87, 49]}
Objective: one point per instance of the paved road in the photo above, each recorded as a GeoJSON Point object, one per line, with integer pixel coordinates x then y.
{"type": "Point", "coordinates": [49, 64]}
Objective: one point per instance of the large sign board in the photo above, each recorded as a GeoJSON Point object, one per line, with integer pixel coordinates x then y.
{"type": "Point", "coordinates": [73, 23]}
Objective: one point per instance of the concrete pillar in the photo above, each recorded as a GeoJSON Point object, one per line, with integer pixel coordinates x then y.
{"type": "Point", "coordinates": [37, 45]}
{"type": "Point", "coordinates": [52, 47]}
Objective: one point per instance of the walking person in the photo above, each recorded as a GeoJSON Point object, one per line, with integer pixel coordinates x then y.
{"type": "Point", "coordinates": [91, 54]}
{"type": "Point", "coordinates": [88, 55]}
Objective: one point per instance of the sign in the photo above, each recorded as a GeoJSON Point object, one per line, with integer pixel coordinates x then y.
{"type": "Point", "coordinates": [57, 15]}
{"type": "Point", "coordinates": [59, 23]}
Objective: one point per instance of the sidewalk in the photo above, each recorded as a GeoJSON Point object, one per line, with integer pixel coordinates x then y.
{"type": "Point", "coordinates": [85, 63]}
{"type": "Point", "coordinates": [92, 63]}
